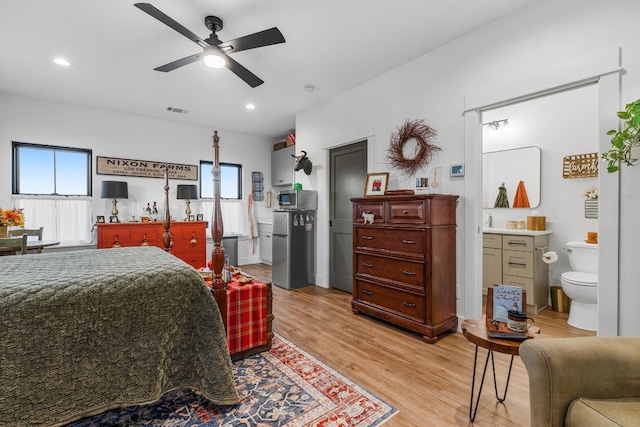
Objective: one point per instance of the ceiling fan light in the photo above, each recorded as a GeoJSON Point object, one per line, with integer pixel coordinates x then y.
{"type": "Point", "coordinates": [214, 60]}
{"type": "Point", "coordinates": [61, 61]}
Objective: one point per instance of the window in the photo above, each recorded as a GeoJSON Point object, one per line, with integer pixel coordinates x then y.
{"type": "Point", "coordinates": [230, 180]}
{"type": "Point", "coordinates": [46, 169]}
{"type": "Point", "coordinates": [53, 186]}
{"type": "Point", "coordinates": [230, 195]}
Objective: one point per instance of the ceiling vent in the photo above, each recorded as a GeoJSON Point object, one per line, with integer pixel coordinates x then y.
{"type": "Point", "coordinates": [177, 110]}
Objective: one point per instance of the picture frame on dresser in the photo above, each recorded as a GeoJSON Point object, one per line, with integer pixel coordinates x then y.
{"type": "Point", "coordinates": [100, 219]}
{"type": "Point", "coordinates": [200, 217]}
{"type": "Point", "coordinates": [376, 184]}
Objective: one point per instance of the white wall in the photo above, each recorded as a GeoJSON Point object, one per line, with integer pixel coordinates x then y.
{"type": "Point", "coordinates": [113, 134]}
{"type": "Point", "coordinates": [433, 87]}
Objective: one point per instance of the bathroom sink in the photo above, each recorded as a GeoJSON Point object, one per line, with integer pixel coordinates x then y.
{"type": "Point", "coordinates": [499, 230]}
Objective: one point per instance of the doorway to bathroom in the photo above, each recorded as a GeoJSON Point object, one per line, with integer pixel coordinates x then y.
{"type": "Point", "coordinates": [602, 69]}
{"type": "Point", "coordinates": [553, 126]}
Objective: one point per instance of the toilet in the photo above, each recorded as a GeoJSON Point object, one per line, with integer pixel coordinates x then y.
{"type": "Point", "coordinates": [581, 285]}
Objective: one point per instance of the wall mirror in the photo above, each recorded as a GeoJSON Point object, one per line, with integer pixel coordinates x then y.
{"type": "Point", "coordinates": [510, 167]}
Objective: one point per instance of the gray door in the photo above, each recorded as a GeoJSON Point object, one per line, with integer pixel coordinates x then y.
{"type": "Point", "coordinates": [348, 178]}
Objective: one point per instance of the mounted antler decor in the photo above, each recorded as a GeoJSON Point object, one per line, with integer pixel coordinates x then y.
{"type": "Point", "coordinates": [423, 134]}
{"type": "Point", "coordinates": [303, 162]}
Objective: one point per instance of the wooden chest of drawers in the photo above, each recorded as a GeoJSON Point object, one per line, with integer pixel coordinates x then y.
{"type": "Point", "coordinates": [188, 238]}
{"type": "Point", "coordinates": [404, 264]}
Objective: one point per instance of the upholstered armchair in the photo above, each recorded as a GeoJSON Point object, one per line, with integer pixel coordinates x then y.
{"type": "Point", "coordinates": [586, 381]}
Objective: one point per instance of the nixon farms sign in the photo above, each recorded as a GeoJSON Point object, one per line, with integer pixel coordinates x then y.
{"type": "Point", "coordinates": [144, 168]}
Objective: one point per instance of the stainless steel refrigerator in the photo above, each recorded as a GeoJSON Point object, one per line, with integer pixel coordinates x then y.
{"type": "Point", "coordinates": [293, 248]}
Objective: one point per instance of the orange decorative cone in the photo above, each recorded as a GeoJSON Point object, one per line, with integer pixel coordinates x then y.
{"type": "Point", "coordinates": [521, 200]}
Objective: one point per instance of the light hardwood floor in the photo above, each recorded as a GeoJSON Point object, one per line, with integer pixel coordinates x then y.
{"type": "Point", "coordinates": [430, 384]}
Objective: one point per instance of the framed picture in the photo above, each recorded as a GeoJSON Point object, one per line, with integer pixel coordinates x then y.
{"type": "Point", "coordinates": [376, 184]}
{"type": "Point", "coordinates": [192, 217]}
{"type": "Point", "coordinates": [144, 218]}
{"type": "Point", "coordinates": [100, 219]}
{"type": "Point", "coordinates": [113, 218]}
{"type": "Point", "coordinates": [200, 217]}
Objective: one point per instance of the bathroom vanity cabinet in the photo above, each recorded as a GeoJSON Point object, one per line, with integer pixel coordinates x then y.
{"type": "Point", "coordinates": [514, 257]}
{"type": "Point", "coordinates": [491, 260]}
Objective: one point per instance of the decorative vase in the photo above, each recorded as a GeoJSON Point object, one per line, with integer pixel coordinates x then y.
{"type": "Point", "coordinates": [3, 231]}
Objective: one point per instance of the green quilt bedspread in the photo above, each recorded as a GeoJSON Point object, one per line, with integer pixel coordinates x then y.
{"type": "Point", "coordinates": [85, 331]}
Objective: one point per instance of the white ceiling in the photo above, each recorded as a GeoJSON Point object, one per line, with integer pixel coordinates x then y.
{"type": "Point", "coordinates": [334, 45]}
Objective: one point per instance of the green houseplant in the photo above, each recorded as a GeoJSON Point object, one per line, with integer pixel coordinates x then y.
{"type": "Point", "coordinates": [624, 140]}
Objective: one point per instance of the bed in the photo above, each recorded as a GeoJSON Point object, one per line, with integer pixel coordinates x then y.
{"type": "Point", "coordinates": [82, 332]}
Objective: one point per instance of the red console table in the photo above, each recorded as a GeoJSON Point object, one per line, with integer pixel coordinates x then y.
{"type": "Point", "coordinates": [188, 238]}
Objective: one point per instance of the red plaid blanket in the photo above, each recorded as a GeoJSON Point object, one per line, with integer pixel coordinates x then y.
{"type": "Point", "coordinates": [246, 315]}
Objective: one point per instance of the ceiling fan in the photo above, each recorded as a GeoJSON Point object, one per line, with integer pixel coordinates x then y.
{"type": "Point", "coordinates": [213, 47]}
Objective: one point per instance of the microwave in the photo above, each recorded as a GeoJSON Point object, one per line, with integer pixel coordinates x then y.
{"type": "Point", "coordinates": [297, 200]}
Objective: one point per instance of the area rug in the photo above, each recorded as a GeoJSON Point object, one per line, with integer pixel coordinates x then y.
{"type": "Point", "coordinates": [284, 387]}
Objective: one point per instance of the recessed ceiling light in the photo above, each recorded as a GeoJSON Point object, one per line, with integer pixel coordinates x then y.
{"type": "Point", "coordinates": [250, 106]}
{"type": "Point", "coordinates": [62, 61]}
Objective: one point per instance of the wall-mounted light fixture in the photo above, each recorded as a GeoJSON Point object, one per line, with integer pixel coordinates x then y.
{"type": "Point", "coordinates": [495, 125]}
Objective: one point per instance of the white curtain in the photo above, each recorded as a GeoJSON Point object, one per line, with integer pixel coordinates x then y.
{"type": "Point", "coordinates": [232, 215]}
{"type": "Point", "coordinates": [67, 219]}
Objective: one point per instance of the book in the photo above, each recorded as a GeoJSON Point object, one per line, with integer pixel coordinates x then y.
{"type": "Point", "coordinates": [505, 298]}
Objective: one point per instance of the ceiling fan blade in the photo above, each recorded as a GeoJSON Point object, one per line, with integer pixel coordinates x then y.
{"type": "Point", "coordinates": [259, 39]}
{"type": "Point", "coordinates": [160, 16]}
{"type": "Point", "coordinates": [179, 63]}
{"type": "Point", "coordinates": [246, 75]}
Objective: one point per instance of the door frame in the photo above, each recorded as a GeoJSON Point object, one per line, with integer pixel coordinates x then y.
{"type": "Point", "coordinates": [603, 68]}
{"type": "Point", "coordinates": [365, 143]}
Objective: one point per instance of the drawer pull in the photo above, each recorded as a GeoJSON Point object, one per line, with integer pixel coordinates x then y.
{"type": "Point", "coordinates": [366, 264]}
{"type": "Point", "coordinates": [409, 242]}
{"type": "Point", "coordinates": [367, 237]}
{"type": "Point", "coordinates": [405, 212]}
{"type": "Point", "coordinates": [519, 264]}
{"type": "Point", "coordinates": [366, 292]}
{"type": "Point", "coordinates": [516, 243]}
{"type": "Point", "coordinates": [408, 273]}
{"type": "Point", "coordinates": [408, 304]}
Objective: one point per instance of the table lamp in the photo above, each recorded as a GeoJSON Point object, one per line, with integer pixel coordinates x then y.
{"type": "Point", "coordinates": [114, 190]}
{"type": "Point", "coordinates": [188, 193]}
